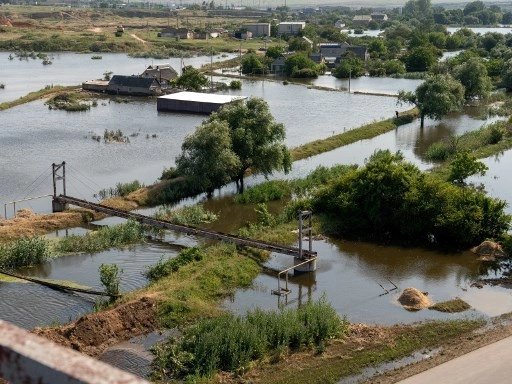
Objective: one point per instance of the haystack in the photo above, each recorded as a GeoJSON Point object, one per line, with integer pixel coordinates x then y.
{"type": "Point", "coordinates": [489, 251]}
{"type": "Point", "coordinates": [413, 299]}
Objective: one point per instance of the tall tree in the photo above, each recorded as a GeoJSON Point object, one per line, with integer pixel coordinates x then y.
{"type": "Point", "coordinates": [207, 158]}
{"type": "Point", "coordinates": [473, 76]}
{"type": "Point", "coordinates": [192, 79]}
{"type": "Point", "coordinates": [435, 97]}
{"type": "Point", "coordinates": [256, 138]}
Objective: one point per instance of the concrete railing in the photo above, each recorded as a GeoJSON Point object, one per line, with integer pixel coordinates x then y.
{"type": "Point", "coordinates": [28, 358]}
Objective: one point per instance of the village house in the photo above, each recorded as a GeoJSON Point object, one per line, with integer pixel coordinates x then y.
{"type": "Point", "coordinates": [290, 27]}
{"type": "Point", "coordinates": [361, 20]}
{"type": "Point", "coordinates": [243, 35]}
{"type": "Point", "coordinates": [333, 51]}
{"type": "Point", "coordinates": [309, 41]}
{"type": "Point", "coordinates": [379, 16]}
{"type": "Point", "coordinates": [278, 65]}
{"type": "Point", "coordinates": [339, 24]}
{"type": "Point", "coordinates": [133, 85]}
{"type": "Point", "coordinates": [177, 33]}
{"type": "Point", "coordinates": [164, 73]}
{"type": "Point", "coordinates": [258, 29]}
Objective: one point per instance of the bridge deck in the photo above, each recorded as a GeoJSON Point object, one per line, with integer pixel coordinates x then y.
{"type": "Point", "coordinates": [189, 230]}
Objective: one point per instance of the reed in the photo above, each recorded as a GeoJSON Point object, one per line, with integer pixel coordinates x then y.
{"type": "Point", "coordinates": [104, 238]}
{"type": "Point", "coordinates": [191, 215]}
{"type": "Point", "coordinates": [121, 189]}
{"type": "Point", "coordinates": [24, 252]}
{"type": "Point", "coordinates": [230, 343]}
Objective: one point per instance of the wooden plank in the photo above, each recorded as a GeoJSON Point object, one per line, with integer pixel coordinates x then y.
{"type": "Point", "coordinates": [60, 287]}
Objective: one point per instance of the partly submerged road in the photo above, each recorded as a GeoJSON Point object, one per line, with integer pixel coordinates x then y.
{"type": "Point", "coordinates": [489, 364]}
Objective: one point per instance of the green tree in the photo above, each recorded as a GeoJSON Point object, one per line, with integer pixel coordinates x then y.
{"type": "Point", "coordinates": [207, 158]}
{"type": "Point", "coordinates": [252, 63]}
{"type": "Point", "coordinates": [298, 62]}
{"type": "Point", "coordinates": [420, 59]}
{"type": "Point", "coordinates": [274, 52]}
{"type": "Point", "coordinates": [256, 138]}
{"type": "Point", "coordinates": [297, 44]}
{"type": "Point", "coordinates": [191, 79]}
{"type": "Point", "coordinates": [350, 67]}
{"type": "Point", "coordinates": [472, 74]}
{"type": "Point", "coordinates": [463, 166]}
{"type": "Point", "coordinates": [435, 97]}
{"type": "Point", "coordinates": [506, 75]}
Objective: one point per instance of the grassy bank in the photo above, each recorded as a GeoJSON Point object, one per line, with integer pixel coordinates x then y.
{"type": "Point", "coordinates": [364, 132]}
{"type": "Point", "coordinates": [32, 96]}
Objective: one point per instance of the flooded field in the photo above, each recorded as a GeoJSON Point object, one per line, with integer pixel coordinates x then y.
{"type": "Point", "coordinates": [353, 276]}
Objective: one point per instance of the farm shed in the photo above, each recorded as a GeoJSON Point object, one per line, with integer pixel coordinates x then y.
{"type": "Point", "coordinates": [193, 102]}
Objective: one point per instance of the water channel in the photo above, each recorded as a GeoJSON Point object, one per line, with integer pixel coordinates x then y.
{"type": "Point", "coordinates": [350, 274]}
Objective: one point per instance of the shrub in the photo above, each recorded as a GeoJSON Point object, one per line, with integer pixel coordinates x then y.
{"type": "Point", "coordinates": [269, 191]}
{"type": "Point", "coordinates": [192, 215]}
{"type": "Point", "coordinates": [235, 84]}
{"type": "Point", "coordinates": [166, 267]}
{"type": "Point", "coordinates": [110, 277]}
{"type": "Point", "coordinates": [440, 151]}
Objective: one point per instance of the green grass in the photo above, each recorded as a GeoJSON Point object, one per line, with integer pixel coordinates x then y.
{"type": "Point", "coordinates": [451, 306]}
{"type": "Point", "coordinates": [191, 215]}
{"type": "Point", "coordinates": [365, 132]}
{"type": "Point", "coordinates": [231, 343]}
{"type": "Point", "coordinates": [32, 96]}
{"type": "Point", "coordinates": [405, 341]}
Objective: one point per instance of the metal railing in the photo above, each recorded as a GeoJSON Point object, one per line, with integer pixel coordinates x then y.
{"type": "Point", "coordinates": [20, 201]}
{"type": "Point", "coordinates": [28, 358]}
{"type": "Point", "coordinates": [285, 291]}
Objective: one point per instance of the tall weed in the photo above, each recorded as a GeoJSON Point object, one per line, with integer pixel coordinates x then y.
{"type": "Point", "coordinates": [24, 252]}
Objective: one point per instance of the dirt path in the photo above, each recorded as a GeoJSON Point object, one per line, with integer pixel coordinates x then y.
{"type": "Point", "coordinates": [138, 38]}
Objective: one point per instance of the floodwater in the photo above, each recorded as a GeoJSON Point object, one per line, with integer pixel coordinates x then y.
{"type": "Point", "coordinates": [350, 274]}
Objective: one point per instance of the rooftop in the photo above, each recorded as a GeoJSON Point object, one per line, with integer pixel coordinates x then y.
{"type": "Point", "coordinates": [202, 97]}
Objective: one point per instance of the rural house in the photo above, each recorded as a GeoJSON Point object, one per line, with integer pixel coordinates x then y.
{"type": "Point", "coordinates": [163, 73]}
{"type": "Point", "coordinates": [290, 27]}
{"type": "Point", "coordinates": [134, 85]}
{"type": "Point", "coordinates": [178, 33]}
{"type": "Point", "coordinates": [258, 29]}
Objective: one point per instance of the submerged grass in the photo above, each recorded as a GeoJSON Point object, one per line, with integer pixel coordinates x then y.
{"type": "Point", "coordinates": [104, 238]}
{"type": "Point", "coordinates": [451, 306]}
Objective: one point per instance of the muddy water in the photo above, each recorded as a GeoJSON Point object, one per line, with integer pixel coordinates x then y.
{"type": "Point", "coordinates": [349, 273]}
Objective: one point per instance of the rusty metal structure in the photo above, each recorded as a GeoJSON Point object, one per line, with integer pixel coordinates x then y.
{"type": "Point", "coordinates": [28, 358]}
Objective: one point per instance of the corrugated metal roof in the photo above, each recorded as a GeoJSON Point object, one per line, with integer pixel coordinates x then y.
{"type": "Point", "coordinates": [202, 97]}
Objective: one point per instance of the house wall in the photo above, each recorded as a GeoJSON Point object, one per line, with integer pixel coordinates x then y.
{"type": "Point", "coordinates": [290, 28]}
{"type": "Point", "coordinates": [258, 29]}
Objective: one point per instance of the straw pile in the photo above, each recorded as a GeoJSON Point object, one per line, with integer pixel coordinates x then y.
{"type": "Point", "coordinates": [489, 251]}
{"type": "Point", "coordinates": [413, 299]}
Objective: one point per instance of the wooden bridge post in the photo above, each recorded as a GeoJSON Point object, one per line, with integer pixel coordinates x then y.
{"type": "Point", "coordinates": [58, 206]}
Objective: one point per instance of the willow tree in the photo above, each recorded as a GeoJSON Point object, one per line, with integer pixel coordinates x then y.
{"type": "Point", "coordinates": [257, 139]}
{"type": "Point", "coordinates": [206, 158]}
{"type": "Point", "coordinates": [435, 97]}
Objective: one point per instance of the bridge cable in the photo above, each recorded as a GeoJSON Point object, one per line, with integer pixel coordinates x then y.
{"type": "Point", "coordinates": [18, 196]}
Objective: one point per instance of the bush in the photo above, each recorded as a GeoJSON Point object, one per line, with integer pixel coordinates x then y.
{"type": "Point", "coordinates": [392, 200]}
{"type": "Point", "coordinates": [166, 267]}
{"type": "Point", "coordinates": [269, 191]}
{"type": "Point", "coordinates": [235, 84]}
{"type": "Point", "coordinates": [440, 151]}
{"type": "Point", "coordinates": [110, 277]}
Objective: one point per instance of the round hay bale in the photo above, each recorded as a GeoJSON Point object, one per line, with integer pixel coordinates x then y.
{"type": "Point", "coordinates": [489, 250]}
{"type": "Point", "coordinates": [413, 300]}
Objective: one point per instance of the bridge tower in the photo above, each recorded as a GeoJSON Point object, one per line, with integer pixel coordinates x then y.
{"type": "Point", "coordinates": [59, 174]}
{"type": "Point", "coordinates": [305, 234]}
